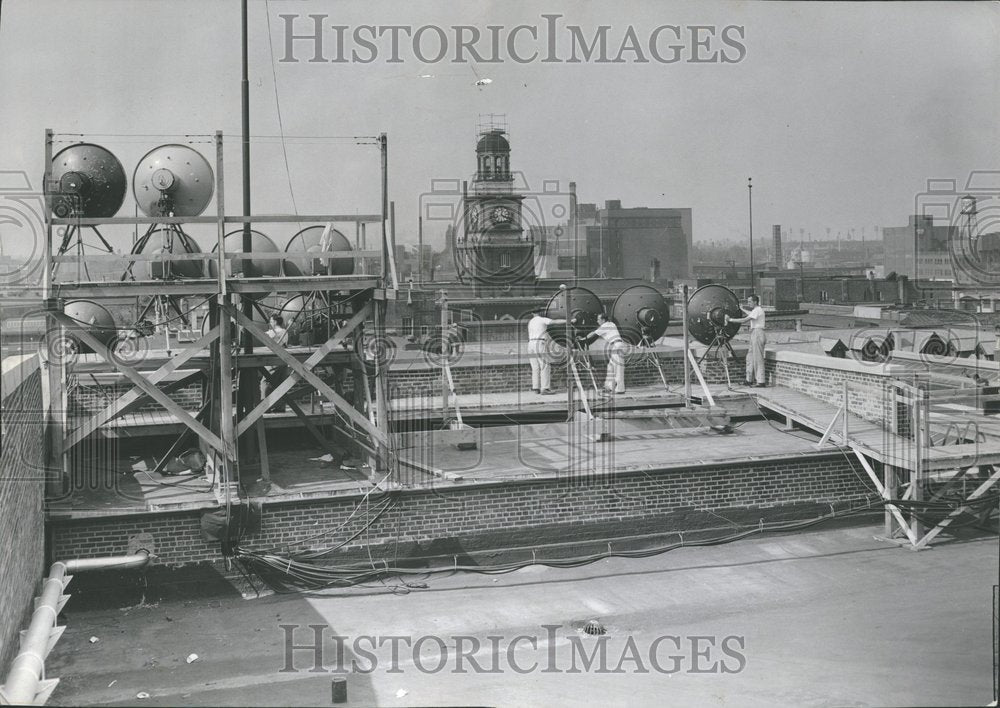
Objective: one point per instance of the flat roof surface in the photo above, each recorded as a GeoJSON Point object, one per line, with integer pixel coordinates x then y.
{"type": "Point", "coordinates": [558, 449]}
{"type": "Point", "coordinates": [551, 450]}
{"type": "Point", "coordinates": [826, 618]}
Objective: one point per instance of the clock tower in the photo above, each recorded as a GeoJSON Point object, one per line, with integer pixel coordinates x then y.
{"type": "Point", "coordinates": [495, 249]}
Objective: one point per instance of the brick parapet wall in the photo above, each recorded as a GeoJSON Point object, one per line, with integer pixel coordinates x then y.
{"type": "Point", "coordinates": [822, 377]}
{"type": "Point", "coordinates": [496, 374]}
{"type": "Point", "coordinates": [412, 374]}
{"type": "Point", "coordinates": [494, 515]}
{"type": "Point", "coordinates": [22, 489]}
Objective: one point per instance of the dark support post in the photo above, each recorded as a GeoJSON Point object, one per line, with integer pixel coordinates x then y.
{"type": "Point", "coordinates": [383, 143]}
{"type": "Point", "coordinates": [750, 203]}
{"type": "Point", "coordinates": [246, 136]}
{"type": "Point", "coordinates": [249, 379]}
{"type": "Point", "coordinates": [687, 344]}
{"type": "Point", "coordinates": [444, 376]}
{"type": "Point", "coordinates": [55, 371]}
{"type": "Point", "coordinates": [227, 433]}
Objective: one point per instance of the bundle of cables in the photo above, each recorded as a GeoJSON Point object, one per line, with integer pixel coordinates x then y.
{"type": "Point", "coordinates": [311, 570]}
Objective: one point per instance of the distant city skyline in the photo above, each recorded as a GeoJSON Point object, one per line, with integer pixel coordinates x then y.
{"type": "Point", "coordinates": [840, 112]}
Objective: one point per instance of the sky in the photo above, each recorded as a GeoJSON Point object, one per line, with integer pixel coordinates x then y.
{"type": "Point", "coordinates": [840, 112]}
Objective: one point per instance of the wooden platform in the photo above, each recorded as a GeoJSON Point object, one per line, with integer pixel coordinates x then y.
{"type": "Point", "coordinates": [570, 450]}
{"type": "Point", "coordinates": [125, 486]}
{"type": "Point", "coordinates": [871, 438]}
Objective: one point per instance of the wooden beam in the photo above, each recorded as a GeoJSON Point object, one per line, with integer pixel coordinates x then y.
{"type": "Point", "coordinates": [139, 380]}
{"type": "Point", "coordinates": [210, 256]}
{"type": "Point", "coordinates": [951, 484]}
{"type": "Point", "coordinates": [225, 382]}
{"type": "Point", "coordinates": [208, 286]}
{"type": "Point", "coordinates": [88, 363]}
{"type": "Point", "coordinates": [285, 386]}
{"type": "Point", "coordinates": [890, 490]}
{"type": "Point", "coordinates": [701, 379]}
{"type": "Point", "coordinates": [579, 386]}
{"type": "Point", "coordinates": [168, 388]}
{"type": "Point", "coordinates": [362, 392]}
{"type": "Point", "coordinates": [301, 284]}
{"type": "Point", "coordinates": [172, 450]}
{"type": "Point", "coordinates": [306, 421]}
{"type": "Point", "coordinates": [929, 536]}
{"type": "Point", "coordinates": [220, 217]}
{"type": "Point", "coordinates": [260, 219]}
{"type": "Point", "coordinates": [120, 406]}
{"type": "Point", "coordinates": [829, 428]}
{"type": "Point", "coordinates": [265, 468]}
{"type": "Point", "coordinates": [882, 492]}
{"type": "Point", "coordinates": [305, 372]}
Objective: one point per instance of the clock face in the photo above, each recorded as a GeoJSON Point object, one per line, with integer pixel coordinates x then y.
{"type": "Point", "coordinates": [502, 215]}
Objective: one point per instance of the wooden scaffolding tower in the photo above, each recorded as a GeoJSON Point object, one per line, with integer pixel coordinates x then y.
{"type": "Point", "coordinates": [229, 424]}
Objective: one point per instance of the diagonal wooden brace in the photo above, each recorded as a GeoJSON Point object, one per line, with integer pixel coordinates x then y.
{"type": "Point", "coordinates": [295, 375]}
{"type": "Point", "coordinates": [304, 370]}
{"type": "Point", "coordinates": [982, 489]}
{"type": "Point", "coordinates": [118, 407]}
{"type": "Point", "coordinates": [701, 379]}
{"type": "Point", "coordinates": [141, 382]}
{"type": "Point", "coordinates": [309, 425]}
{"type": "Point", "coordinates": [882, 492]}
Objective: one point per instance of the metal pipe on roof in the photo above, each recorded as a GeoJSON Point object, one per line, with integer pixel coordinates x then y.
{"type": "Point", "coordinates": [24, 684]}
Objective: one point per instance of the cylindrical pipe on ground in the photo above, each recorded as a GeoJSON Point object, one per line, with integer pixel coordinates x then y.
{"type": "Point", "coordinates": [28, 667]}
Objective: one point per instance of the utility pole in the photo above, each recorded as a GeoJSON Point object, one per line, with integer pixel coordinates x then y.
{"type": "Point", "coordinates": [420, 249]}
{"type": "Point", "coordinates": [248, 380]}
{"type": "Point", "coordinates": [750, 203]}
{"type": "Point", "coordinates": [445, 353]}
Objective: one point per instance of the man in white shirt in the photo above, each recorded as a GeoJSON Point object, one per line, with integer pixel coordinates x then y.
{"type": "Point", "coordinates": [755, 356]}
{"type": "Point", "coordinates": [607, 330]}
{"type": "Point", "coordinates": [538, 343]}
{"type": "Point", "coordinates": [279, 334]}
{"type": "Point", "coordinates": [277, 330]}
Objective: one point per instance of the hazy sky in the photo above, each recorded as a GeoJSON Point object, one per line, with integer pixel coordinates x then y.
{"type": "Point", "coordinates": [841, 112]}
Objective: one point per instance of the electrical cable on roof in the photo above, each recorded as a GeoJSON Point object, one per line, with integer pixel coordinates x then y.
{"type": "Point", "coordinates": [290, 574]}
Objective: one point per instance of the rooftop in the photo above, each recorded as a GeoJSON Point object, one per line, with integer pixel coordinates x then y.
{"type": "Point", "coordinates": [809, 618]}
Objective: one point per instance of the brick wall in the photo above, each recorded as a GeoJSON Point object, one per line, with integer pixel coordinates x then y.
{"type": "Point", "coordinates": [473, 373]}
{"type": "Point", "coordinates": [22, 488]}
{"type": "Point", "coordinates": [822, 377]}
{"type": "Point", "coordinates": [87, 396]}
{"type": "Point", "coordinates": [499, 515]}
{"type": "Point", "coordinates": [513, 373]}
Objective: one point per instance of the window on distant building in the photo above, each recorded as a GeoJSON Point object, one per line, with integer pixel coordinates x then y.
{"type": "Point", "coordinates": [824, 296]}
{"type": "Point", "coordinates": [424, 329]}
{"type": "Point", "coordinates": [407, 326]}
{"type": "Point", "coordinates": [505, 260]}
